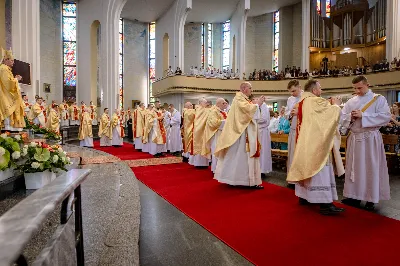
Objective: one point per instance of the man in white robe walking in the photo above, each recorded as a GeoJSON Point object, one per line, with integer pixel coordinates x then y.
{"type": "Point", "coordinates": [175, 137]}
{"type": "Point", "coordinates": [367, 177]}
{"type": "Point", "coordinates": [238, 147]}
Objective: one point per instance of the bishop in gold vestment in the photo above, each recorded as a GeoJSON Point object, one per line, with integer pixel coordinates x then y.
{"type": "Point", "coordinates": [53, 119]}
{"type": "Point", "coordinates": [11, 104]}
{"type": "Point", "coordinates": [105, 130]}
{"type": "Point", "coordinates": [85, 129]}
{"type": "Point", "coordinates": [188, 115]}
{"type": "Point", "coordinates": [238, 148]}
{"type": "Point", "coordinates": [200, 121]}
{"type": "Point", "coordinates": [312, 166]}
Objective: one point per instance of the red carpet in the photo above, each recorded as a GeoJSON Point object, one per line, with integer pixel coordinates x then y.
{"type": "Point", "coordinates": [268, 227]}
{"type": "Point", "coordinates": [126, 152]}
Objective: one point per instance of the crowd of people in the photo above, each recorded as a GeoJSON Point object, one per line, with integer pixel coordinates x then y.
{"type": "Point", "coordinates": [208, 72]}
{"type": "Point", "coordinates": [235, 140]}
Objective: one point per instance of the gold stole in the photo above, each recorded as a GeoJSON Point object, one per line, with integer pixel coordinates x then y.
{"type": "Point", "coordinates": [214, 121]}
{"type": "Point", "coordinates": [188, 126]}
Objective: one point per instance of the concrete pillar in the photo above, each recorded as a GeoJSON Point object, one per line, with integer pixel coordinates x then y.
{"type": "Point", "coordinates": [26, 40]}
{"type": "Point", "coordinates": [392, 29]}
{"type": "Point", "coordinates": [306, 20]}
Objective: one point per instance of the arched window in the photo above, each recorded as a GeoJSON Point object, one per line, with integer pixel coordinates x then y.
{"type": "Point", "coordinates": [69, 50]}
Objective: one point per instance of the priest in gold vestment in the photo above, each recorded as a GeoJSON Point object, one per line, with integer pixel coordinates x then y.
{"type": "Point", "coordinates": [200, 121]}
{"type": "Point", "coordinates": [74, 114]}
{"type": "Point", "coordinates": [53, 119]}
{"type": "Point", "coordinates": [85, 129]}
{"type": "Point", "coordinates": [158, 134]}
{"type": "Point", "coordinates": [138, 116]}
{"type": "Point", "coordinates": [215, 123]}
{"type": "Point", "coordinates": [188, 115]}
{"type": "Point", "coordinates": [64, 110]}
{"type": "Point", "coordinates": [105, 130]}
{"type": "Point", "coordinates": [118, 132]}
{"type": "Point", "coordinates": [147, 125]}
{"type": "Point", "coordinates": [36, 114]}
{"type": "Point", "coordinates": [312, 167]}
{"type": "Point", "coordinates": [11, 104]}
{"type": "Point", "coordinates": [238, 147]}
{"type": "Point", "coordinates": [93, 113]}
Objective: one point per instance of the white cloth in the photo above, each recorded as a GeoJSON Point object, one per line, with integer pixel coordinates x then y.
{"type": "Point", "coordinates": [167, 119]}
{"type": "Point", "coordinates": [7, 126]}
{"type": "Point", "coordinates": [146, 147]}
{"type": "Point", "coordinates": [186, 154]}
{"type": "Point", "coordinates": [214, 141]}
{"type": "Point", "coordinates": [94, 122]}
{"type": "Point", "coordinates": [198, 160]}
{"type": "Point", "coordinates": [105, 141]}
{"type": "Point", "coordinates": [175, 137]}
{"type": "Point", "coordinates": [265, 140]}
{"type": "Point", "coordinates": [273, 125]}
{"type": "Point", "coordinates": [153, 147]}
{"type": "Point", "coordinates": [138, 143]}
{"type": "Point", "coordinates": [40, 120]}
{"type": "Point", "coordinates": [87, 142]}
{"type": "Point", "coordinates": [367, 175]}
{"type": "Point", "coordinates": [116, 136]}
{"type": "Point", "coordinates": [74, 122]}
{"type": "Point", "coordinates": [320, 188]}
{"type": "Point", "coordinates": [236, 167]}
{"type": "Point", "coordinates": [291, 102]}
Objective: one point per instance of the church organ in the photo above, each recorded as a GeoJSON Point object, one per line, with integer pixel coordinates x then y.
{"type": "Point", "coordinates": [336, 24]}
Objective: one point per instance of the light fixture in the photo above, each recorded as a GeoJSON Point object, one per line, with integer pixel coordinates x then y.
{"type": "Point", "coordinates": [346, 49]}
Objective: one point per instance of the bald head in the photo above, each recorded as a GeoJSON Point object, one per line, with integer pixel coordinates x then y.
{"type": "Point", "coordinates": [245, 88]}
{"type": "Point", "coordinates": [220, 103]}
{"type": "Point", "coordinates": [203, 102]}
{"type": "Point", "coordinates": [188, 105]}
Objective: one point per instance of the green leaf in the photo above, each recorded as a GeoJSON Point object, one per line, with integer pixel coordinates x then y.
{"type": "Point", "coordinates": [4, 160]}
{"type": "Point", "coordinates": [42, 155]}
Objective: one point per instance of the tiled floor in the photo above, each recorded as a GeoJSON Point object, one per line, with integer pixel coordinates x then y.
{"type": "Point", "coordinates": [168, 237]}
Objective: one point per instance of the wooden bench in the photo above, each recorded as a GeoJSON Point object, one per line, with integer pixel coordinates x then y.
{"type": "Point", "coordinates": [282, 138]}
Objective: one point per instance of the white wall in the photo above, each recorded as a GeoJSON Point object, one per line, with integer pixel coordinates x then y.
{"type": "Point", "coordinates": [172, 22]}
{"type": "Point", "coordinates": [136, 72]}
{"type": "Point", "coordinates": [51, 52]}
{"type": "Point", "coordinates": [192, 51]}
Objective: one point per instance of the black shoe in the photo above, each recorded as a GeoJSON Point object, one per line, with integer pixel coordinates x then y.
{"type": "Point", "coordinates": [369, 206]}
{"type": "Point", "coordinates": [351, 202]}
{"type": "Point", "coordinates": [257, 187]}
{"type": "Point", "coordinates": [329, 209]}
{"type": "Point", "coordinates": [185, 160]}
{"type": "Point", "coordinates": [303, 201]}
{"type": "Point", "coordinates": [291, 186]}
{"type": "Point", "coordinates": [201, 167]}
{"type": "Point", "coordinates": [157, 155]}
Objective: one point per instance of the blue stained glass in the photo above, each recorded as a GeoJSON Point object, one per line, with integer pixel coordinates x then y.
{"type": "Point", "coordinates": [276, 27]}
{"type": "Point", "coordinates": [152, 48]}
{"type": "Point", "coordinates": [276, 16]}
{"type": "Point", "coordinates": [69, 53]}
{"type": "Point", "coordinates": [69, 29]}
{"type": "Point", "coordinates": [69, 10]}
{"type": "Point", "coordinates": [226, 26]}
{"type": "Point", "coordinates": [70, 76]}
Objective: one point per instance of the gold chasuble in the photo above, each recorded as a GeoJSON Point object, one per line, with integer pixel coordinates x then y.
{"type": "Point", "coordinates": [53, 120]}
{"type": "Point", "coordinates": [160, 136]}
{"type": "Point", "coordinates": [239, 118]}
{"type": "Point", "coordinates": [200, 121]}
{"type": "Point", "coordinates": [138, 122]}
{"type": "Point", "coordinates": [11, 103]}
{"type": "Point", "coordinates": [36, 110]}
{"type": "Point", "coordinates": [85, 130]}
{"type": "Point", "coordinates": [317, 124]}
{"type": "Point", "coordinates": [188, 126]}
{"type": "Point", "coordinates": [214, 121]}
{"type": "Point", "coordinates": [105, 127]}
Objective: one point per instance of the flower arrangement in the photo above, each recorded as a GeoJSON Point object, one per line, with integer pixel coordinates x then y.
{"type": "Point", "coordinates": [10, 151]}
{"type": "Point", "coordinates": [48, 133]}
{"type": "Point", "coordinates": [41, 157]}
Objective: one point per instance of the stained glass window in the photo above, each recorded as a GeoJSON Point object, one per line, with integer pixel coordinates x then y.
{"type": "Point", "coordinates": [69, 49]}
{"type": "Point", "coordinates": [152, 59]}
{"type": "Point", "coordinates": [319, 6]}
{"type": "Point", "coordinates": [275, 106]}
{"type": "Point", "coordinates": [121, 62]}
{"type": "Point", "coordinates": [210, 45]}
{"type": "Point", "coordinates": [202, 45]}
{"type": "Point", "coordinates": [328, 8]}
{"type": "Point", "coordinates": [275, 56]}
{"type": "Point", "coordinates": [226, 44]}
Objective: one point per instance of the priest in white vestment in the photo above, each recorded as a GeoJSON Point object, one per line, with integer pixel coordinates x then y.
{"type": "Point", "coordinates": [85, 129]}
{"type": "Point", "coordinates": [175, 137]}
{"type": "Point", "coordinates": [167, 120]}
{"type": "Point", "coordinates": [196, 159]}
{"type": "Point", "coordinates": [294, 89]}
{"type": "Point", "coordinates": [215, 123]}
{"type": "Point", "coordinates": [117, 129]}
{"type": "Point", "coordinates": [312, 169]}
{"type": "Point", "coordinates": [265, 140]}
{"type": "Point", "coordinates": [238, 147]}
{"type": "Point", "coordinates": [367, 177]}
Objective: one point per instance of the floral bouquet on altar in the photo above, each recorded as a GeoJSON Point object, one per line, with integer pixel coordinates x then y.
{"type": "Point", "coordinates": [41, 157]}
{"type": "Point", "coordinates": [10, 151]}
{"type": "Point", "coordinates": [52, 135]}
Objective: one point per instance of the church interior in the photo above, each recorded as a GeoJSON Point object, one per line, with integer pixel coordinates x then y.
{"type": "Point", "coordinates": [172, 132]}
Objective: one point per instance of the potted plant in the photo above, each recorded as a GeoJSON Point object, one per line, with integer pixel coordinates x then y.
{"type": "Point", "coordinates": [52, 136]}
{"type": "Point", "coordinates": [10, 154]}
{"type": "Point", "coordinates": [42, 163]}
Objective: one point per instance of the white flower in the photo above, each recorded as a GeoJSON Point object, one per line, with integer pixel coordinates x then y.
{"type": "Point", "coordinates": [4, 135]}
{"type": "Point", "coordinates": [25, 146]}
{"type": "Point", "coordinates": [35, 165]}
{"type": "Point", "coordinates": [33, 144]}
{"type": "Point", "coordinates": [24, 151]}
{"type": "Point", "coordinates": [16, 155]}
{"type": "Point", "coordinates": [68, 160]}
{"type": "Point", "coordinates": [60, 150]}
{"type": "Point", "coordinates": [65, 153]}
{"type": "Point", "coordinates": [2, 151]}
{"type": "Point", "coordinates": [63, 159]}
{"type": "Point", "coordinates": [55, 158]}
{"type": "Point", "coordinates": [17, 137]}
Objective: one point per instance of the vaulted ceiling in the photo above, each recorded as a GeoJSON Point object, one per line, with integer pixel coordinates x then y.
{"type": "Point", "coordinates": [211, 11]}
